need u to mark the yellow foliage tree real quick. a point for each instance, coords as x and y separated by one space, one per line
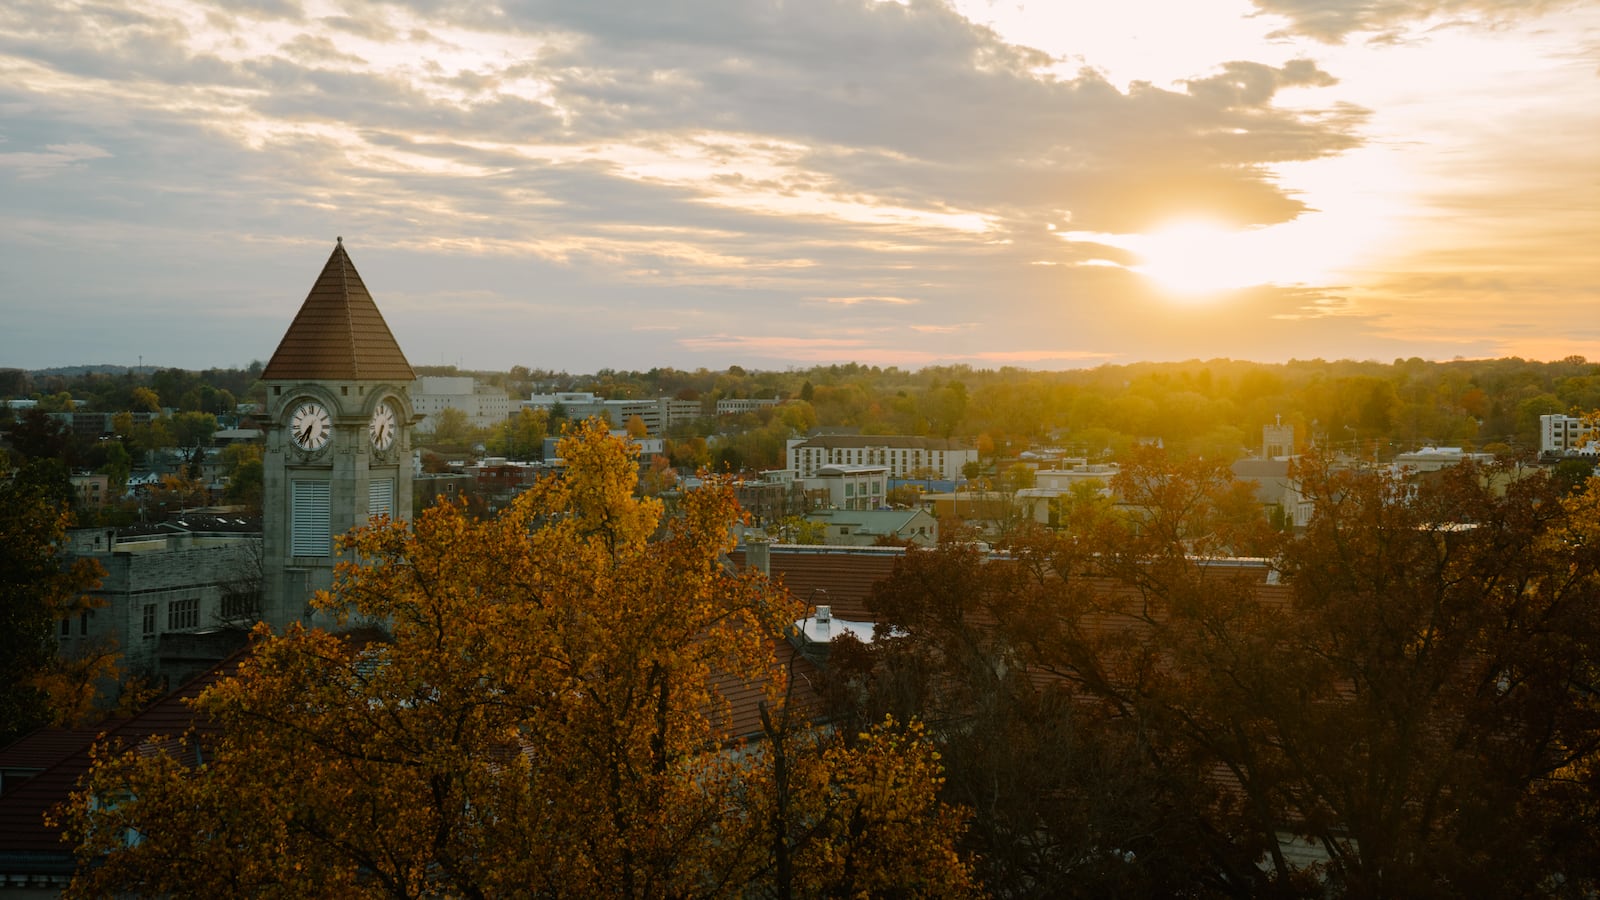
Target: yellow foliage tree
527 705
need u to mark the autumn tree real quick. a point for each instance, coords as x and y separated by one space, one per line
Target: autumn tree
1412 699
531 704
39 587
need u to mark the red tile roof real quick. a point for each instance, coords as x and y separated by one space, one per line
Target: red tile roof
25 840
841 577
338 333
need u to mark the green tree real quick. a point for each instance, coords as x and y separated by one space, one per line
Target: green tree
118 466
242 467
451 426
520 436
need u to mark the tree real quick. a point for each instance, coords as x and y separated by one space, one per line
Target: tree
193 429
798 530
38 588
118 466
39 435
145 400
536 706
451 426
521 436
242 467
1414 700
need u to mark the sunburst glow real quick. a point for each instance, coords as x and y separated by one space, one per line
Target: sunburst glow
1198 258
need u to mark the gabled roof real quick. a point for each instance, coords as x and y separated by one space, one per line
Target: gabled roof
31 849
338 334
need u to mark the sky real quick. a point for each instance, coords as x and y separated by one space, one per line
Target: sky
777 184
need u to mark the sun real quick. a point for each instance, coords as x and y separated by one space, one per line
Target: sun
1199 258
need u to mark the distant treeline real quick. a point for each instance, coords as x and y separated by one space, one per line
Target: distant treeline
1215 408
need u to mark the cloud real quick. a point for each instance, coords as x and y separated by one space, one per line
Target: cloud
51 158
1334 20
857 301
749 176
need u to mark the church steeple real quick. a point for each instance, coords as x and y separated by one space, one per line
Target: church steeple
338 333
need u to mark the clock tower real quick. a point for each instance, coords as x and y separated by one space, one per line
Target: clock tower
338 436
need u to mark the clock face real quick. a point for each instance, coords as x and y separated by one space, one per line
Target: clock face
310 426
383 427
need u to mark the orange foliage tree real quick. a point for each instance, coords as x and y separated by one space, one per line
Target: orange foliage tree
526 705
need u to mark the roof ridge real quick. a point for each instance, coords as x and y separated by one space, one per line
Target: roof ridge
344 285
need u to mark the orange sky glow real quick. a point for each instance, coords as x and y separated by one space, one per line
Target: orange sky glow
579 185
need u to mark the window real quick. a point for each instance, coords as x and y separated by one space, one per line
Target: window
83 623
310 518
149 620
380 497
240 603
183 613
66 628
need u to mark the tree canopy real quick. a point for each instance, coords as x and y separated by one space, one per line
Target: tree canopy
1407 692
533 704
39 587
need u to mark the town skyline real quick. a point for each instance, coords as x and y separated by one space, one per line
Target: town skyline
697 185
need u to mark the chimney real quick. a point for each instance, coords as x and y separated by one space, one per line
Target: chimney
824 614
758 555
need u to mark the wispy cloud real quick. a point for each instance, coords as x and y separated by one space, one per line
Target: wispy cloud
857 301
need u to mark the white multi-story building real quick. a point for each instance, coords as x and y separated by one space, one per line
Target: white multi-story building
485 405
735 405
658 415
1566 436
850 487
906 456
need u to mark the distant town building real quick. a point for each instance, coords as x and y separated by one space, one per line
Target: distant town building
850 486
1566 436
906 456
93 489
1041 502
1432 459
1273 488
658 415
1277 440
736 405
166 586
484 405
867 527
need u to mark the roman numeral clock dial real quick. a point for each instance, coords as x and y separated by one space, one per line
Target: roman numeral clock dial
310 426
383 426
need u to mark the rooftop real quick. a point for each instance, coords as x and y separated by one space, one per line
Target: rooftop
338 333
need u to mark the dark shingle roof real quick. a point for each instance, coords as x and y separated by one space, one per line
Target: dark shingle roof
29 846
338 333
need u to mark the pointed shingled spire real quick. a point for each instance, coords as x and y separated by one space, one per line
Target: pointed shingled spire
338 334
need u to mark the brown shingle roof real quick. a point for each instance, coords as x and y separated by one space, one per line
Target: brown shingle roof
338 333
